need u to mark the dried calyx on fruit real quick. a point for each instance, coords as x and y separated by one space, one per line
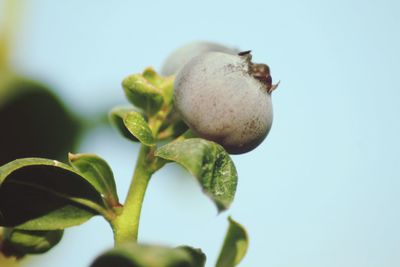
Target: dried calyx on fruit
260 71
227 99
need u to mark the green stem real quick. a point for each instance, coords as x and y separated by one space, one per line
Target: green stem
126 225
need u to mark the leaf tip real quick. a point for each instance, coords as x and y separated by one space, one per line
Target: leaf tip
221 207
231 220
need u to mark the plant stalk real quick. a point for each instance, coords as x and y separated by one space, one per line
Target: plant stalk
126 225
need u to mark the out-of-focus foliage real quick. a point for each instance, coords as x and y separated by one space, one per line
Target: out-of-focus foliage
34 122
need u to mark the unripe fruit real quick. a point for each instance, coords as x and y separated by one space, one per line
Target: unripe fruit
184 54
227 99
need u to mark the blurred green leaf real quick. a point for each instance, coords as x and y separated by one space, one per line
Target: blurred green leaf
35 122
132 125
209 163
98 173
234 247
134 255
21 242
42 194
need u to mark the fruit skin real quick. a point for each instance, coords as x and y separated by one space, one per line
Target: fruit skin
221 100
178 58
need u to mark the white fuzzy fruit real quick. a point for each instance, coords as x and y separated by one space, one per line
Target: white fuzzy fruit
184 54
227 99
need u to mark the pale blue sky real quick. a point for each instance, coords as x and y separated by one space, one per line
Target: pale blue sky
322 190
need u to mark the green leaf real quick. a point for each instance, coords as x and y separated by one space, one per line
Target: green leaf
98 173
209 163
132 125
234 247
21 242
134 255
42 194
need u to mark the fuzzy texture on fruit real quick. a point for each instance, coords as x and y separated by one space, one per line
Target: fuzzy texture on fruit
177 59
222 98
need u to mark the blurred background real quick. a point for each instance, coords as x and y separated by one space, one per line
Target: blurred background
322 190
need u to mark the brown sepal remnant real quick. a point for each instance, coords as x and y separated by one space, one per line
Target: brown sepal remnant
260 71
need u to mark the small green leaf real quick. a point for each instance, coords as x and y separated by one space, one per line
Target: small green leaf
117 116
142 93
209 163
149 91
134 255
138 127
98 173
42 194
234 247
21 242
132 125
165 84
